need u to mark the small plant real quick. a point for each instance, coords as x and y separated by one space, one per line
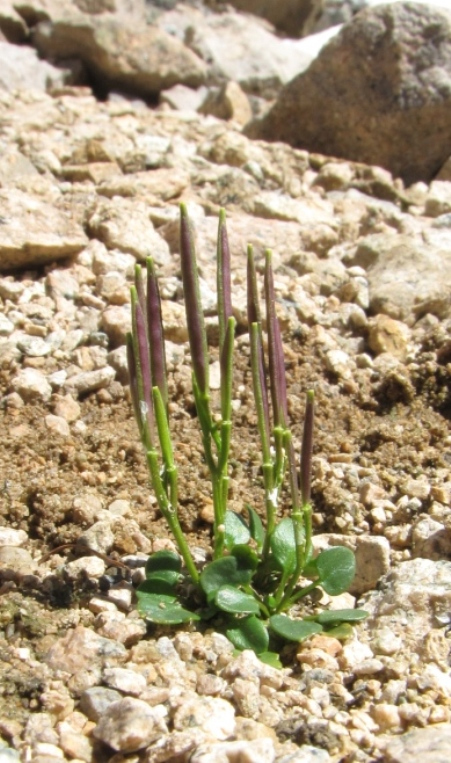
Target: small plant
259 571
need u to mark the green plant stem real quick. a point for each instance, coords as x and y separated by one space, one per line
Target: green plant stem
170 514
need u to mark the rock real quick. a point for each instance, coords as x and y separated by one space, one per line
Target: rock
243 49
228 102
10 537
438 201
294 17
20 67
184 98
131 724
253 751
12 24
215 716
89 381
116 322
81 648
385 74
34 232
412 601
431 539
124 680
57 425
95 701
423 268
117 55
159 184
110 222
430 745
31 385
388 335
15 561
372 557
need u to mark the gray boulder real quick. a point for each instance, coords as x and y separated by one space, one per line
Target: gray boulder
378 93
143 60
294 17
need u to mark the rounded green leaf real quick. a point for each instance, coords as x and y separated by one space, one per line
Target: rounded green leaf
163 560
270 658
336 569
225 571
341 631
293 630
249 633
236 530
283 545
163 609
157 584
231 599
335 616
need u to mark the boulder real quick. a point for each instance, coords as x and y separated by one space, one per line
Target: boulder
120 56
378 93
293 17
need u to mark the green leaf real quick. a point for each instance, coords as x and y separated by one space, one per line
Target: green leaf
270 658
283 545
231 599
163 609
249 633
334 616
245 556
159 584
293 630
228 570
236 530
163 560
341 632
336 569
256 527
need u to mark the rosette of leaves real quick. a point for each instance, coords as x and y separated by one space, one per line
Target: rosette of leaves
262 564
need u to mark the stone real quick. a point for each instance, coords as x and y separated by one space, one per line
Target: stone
124 680
11 537
118 55
110 222
184 98
423 268
215 716
384 73
253 751
372 557
228 102
243 49
34 232
411 601
388 335
89 381
20 67
95 701
32 385
15 561
131 724
294 17
57 425
81 648
430 745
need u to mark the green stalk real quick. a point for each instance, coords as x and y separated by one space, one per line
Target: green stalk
170 515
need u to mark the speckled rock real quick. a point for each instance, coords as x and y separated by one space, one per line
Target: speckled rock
131 724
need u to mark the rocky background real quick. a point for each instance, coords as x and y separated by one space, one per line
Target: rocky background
324 129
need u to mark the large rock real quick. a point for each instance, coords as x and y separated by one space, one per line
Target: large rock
20 68
34 232
294 17
120 56
378 93
421 264
243 49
